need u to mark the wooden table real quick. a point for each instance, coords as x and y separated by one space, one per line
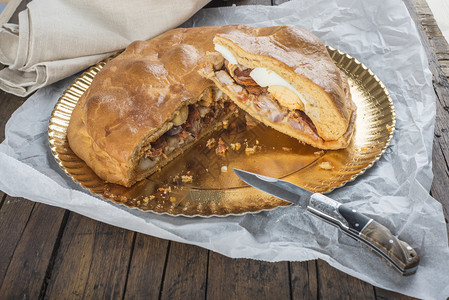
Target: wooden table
49 252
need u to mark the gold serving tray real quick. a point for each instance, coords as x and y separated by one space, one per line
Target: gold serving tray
214 192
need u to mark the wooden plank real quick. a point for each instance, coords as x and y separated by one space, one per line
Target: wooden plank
386 295
2 198
26 273
426 20
442 57
147 268
422 7
277 2
9 103
439 44
14 216
444 66
334 284
432 30
304 284
185 272
246 279
440 155
92 261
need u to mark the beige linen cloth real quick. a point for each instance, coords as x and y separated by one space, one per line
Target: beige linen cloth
57 38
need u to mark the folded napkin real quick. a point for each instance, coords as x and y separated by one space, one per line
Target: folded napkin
56 38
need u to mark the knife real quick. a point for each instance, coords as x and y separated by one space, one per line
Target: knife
367 231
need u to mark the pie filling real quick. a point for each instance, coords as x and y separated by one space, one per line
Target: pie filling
265 92
188 124
267 100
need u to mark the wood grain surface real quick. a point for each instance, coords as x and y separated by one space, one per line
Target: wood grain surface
51 253
436 52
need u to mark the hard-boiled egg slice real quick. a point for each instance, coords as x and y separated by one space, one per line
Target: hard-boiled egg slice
283 91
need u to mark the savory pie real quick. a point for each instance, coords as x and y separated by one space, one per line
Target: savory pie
148 105
284 77
154 100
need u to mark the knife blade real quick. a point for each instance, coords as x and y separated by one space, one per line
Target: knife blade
367 231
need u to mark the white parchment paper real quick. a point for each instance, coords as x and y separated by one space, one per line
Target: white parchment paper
395 191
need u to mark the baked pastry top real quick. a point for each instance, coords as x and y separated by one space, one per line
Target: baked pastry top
133 99
303 93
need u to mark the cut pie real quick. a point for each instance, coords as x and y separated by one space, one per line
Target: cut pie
148 105
284 77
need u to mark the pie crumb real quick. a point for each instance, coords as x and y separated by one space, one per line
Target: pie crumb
187 178
326 165
164 190
210 143
225 124
250 150
221 148
236 146
146 199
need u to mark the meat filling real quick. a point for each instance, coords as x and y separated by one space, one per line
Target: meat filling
264 102
200 115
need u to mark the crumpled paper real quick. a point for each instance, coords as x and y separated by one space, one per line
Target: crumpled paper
395 191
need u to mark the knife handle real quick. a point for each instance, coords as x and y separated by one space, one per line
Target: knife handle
367 231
